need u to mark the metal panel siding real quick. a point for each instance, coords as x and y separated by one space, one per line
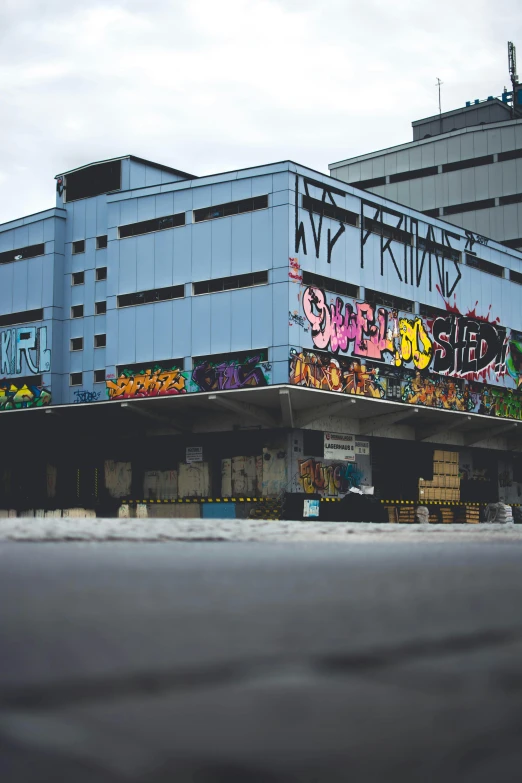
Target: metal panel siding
180 332
200 325
147 208
221 265
241 188
78 231
182 200
261 240
220 309
90 217
36 233
241 249
241 323
280 234
6 288
201 197
21 236
112 324
183 266
129 211
145 262
35 283
222 193
20 273
163 254
164 204
282 300
127 336
262 316
127 266
89 289
201 250
145 332
137 175
88 353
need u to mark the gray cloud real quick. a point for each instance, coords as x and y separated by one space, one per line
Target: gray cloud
207 86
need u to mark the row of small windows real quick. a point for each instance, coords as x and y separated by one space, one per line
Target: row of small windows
31 251
100 341
78 278
76 378
79 245
77 311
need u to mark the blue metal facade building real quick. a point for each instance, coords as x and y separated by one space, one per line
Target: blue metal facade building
158 267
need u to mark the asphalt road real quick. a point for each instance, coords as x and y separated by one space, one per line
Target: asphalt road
384 660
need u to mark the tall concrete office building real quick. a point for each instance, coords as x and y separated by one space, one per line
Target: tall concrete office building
463 166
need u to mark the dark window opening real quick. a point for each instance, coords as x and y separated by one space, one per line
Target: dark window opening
431 212
515 277
101 242
509 155
77 344
26 380
142 367
232 208
230 283
78 247
377 298
484 266
469 163
100 340
100 308
99 376
363 184
76 379
427 311
436 248
403 176
330 210
154 295
470 206
93 180
77 311
385 230
21 318
149 226
22 252
328 284
78 278
101 273
239 357
516 198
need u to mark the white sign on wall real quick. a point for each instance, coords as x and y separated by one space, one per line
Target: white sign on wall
340 447
362 447
193 454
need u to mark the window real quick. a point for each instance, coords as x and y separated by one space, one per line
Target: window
469 163
99 376
155 295
77 311
515 277
516 198
78 278
391 232
509 155
396 302
100 308
77 344
335 286
470 206
237 357
232 208
431 212
403 176
101 242
363 184
76 379
93 180
427 311
430 246
148 226
22 252
101 273
100 340
230 283
163 364
21 318
78 247
330 210
512 243
484 266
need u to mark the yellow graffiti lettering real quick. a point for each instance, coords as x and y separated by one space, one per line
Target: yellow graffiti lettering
415 345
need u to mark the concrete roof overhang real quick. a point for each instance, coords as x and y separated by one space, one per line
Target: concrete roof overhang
270 407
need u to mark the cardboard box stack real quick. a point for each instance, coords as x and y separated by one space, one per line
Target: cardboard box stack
445 484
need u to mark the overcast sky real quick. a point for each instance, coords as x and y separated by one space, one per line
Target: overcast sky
213 85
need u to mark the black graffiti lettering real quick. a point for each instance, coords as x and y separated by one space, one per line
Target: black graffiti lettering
299 227
331 242
444 352
466 345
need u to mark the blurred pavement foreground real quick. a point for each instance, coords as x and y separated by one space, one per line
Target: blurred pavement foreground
376 654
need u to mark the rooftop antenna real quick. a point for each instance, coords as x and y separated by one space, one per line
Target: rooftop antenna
512 62
439 84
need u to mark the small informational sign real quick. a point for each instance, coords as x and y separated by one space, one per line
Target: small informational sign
194 454
362 447
340 447
311 508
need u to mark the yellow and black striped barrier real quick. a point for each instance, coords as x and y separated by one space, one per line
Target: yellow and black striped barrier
203 500
434 503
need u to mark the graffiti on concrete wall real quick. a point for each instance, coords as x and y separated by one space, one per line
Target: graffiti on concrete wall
154 382
231 374
24 396
328 478
84 395
461 346
333 373
24 348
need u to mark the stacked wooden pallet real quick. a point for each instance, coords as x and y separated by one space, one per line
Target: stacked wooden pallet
447 515
407 515
392 513
445 484
468 514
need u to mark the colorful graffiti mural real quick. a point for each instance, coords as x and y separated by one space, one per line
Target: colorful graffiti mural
154 382
335 373
25 396
232 374
24 345
460 346
319 477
